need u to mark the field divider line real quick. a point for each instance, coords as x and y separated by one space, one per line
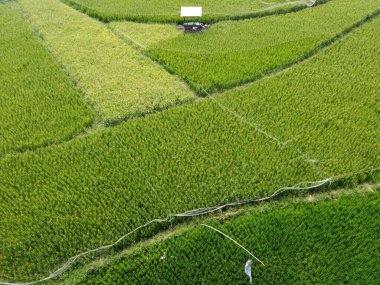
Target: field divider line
306 185
246 121
304 156
122 34
97 114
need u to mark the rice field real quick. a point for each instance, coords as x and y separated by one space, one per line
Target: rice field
39 104
300 243
235 52
105 128
120 82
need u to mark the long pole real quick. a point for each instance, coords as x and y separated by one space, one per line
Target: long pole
234 241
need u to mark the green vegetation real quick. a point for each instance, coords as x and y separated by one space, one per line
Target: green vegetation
168 10
88 192
327 103
119 81
38 103
231 53
146 35
328 242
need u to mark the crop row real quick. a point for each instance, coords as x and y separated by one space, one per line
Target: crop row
59 201
119 81
234 52
329 242
38 102
168 10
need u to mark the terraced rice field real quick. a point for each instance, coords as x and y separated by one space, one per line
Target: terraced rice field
107 126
